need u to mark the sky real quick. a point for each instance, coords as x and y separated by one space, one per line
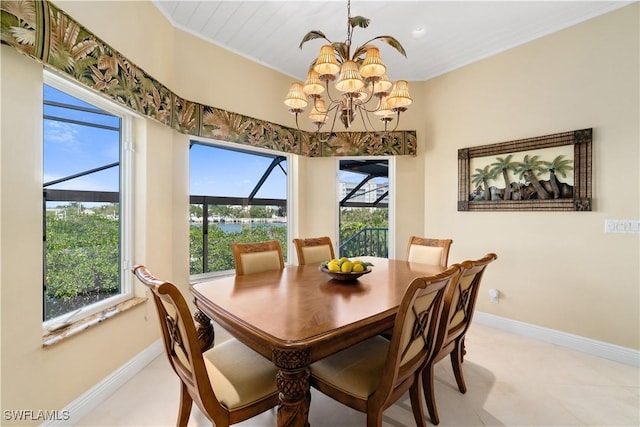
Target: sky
72 148
219 172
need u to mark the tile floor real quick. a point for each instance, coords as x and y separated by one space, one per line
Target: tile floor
511 381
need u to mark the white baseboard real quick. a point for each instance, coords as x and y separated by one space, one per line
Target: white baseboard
90 400
613 352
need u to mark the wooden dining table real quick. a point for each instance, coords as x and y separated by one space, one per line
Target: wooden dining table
299 315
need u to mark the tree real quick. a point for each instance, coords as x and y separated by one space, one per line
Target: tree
527 170
561 166
482 177
82 259
354 220
220 257
503 166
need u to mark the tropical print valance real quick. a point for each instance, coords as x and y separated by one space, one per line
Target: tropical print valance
44 32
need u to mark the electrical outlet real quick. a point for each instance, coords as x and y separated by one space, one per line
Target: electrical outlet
628 226
494 296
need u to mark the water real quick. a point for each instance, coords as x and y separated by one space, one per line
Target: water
237 228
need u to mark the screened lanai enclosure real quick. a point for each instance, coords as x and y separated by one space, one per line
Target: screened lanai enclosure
235 195
364 207
241 196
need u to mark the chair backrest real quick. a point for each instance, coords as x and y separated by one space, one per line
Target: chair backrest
460 301
429 251
314 250
258 256
181 343
417 322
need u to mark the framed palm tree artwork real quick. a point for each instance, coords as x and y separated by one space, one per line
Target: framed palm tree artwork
544 173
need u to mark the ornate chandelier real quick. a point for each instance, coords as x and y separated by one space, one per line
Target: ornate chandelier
362 84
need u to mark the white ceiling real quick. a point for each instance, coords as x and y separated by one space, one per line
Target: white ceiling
456 33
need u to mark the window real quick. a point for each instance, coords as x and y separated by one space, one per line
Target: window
86 190
363 191
237 195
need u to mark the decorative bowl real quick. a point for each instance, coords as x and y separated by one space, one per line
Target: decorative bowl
345 277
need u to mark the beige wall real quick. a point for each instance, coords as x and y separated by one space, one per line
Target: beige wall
551 266
136 29
555 269
34 377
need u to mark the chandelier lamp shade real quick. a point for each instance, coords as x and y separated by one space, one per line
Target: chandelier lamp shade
361 84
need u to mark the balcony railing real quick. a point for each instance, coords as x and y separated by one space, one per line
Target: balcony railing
367 242
209 243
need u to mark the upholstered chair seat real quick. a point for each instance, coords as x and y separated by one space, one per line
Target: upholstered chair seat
353 374
239 376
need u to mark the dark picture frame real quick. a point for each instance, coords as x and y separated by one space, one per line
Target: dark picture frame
535 182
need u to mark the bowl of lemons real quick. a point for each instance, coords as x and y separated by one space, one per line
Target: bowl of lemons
344 269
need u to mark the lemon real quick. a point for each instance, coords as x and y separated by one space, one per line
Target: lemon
357 267
333 266
347 266
357 261
343 259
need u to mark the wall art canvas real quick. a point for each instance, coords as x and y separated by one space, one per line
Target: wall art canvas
547 173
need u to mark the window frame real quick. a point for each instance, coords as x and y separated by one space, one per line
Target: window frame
126 194
195 278
391 206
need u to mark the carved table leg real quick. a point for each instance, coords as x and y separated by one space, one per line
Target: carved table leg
293 384
204 327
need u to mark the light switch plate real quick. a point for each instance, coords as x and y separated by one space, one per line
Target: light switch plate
628 226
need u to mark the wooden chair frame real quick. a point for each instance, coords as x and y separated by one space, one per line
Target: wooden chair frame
186 358
300 244
445 244
239 249
459 305
417 320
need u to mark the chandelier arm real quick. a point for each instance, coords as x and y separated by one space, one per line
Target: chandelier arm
365 119
333 124
328 92
370 95
325 140
397 122
368 99
335 117
333 106
375 109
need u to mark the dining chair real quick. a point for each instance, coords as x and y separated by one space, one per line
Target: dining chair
426 251
429 251
230 382
459 304
314 250
373 374
257 256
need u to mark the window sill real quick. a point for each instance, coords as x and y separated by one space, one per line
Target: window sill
52 338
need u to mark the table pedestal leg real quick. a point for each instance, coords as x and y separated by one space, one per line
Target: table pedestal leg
204 327
293 384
